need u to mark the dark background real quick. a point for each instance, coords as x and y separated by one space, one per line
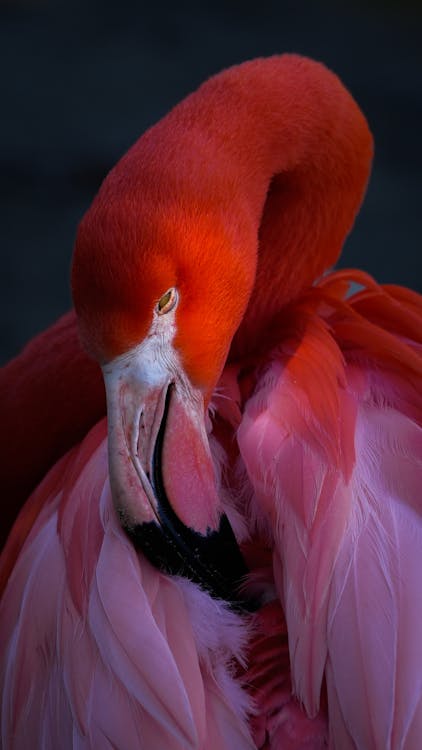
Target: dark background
81 80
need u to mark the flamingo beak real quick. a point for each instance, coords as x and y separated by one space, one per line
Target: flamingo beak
162 476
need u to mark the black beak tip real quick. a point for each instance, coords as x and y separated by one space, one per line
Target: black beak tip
213 561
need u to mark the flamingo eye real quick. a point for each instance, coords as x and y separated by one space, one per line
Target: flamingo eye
167 301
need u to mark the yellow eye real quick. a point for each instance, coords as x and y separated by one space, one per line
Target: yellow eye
167 301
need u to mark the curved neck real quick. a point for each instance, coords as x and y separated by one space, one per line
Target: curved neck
300 151
277 151
253 182
291 152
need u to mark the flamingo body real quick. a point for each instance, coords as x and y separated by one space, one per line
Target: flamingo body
241 386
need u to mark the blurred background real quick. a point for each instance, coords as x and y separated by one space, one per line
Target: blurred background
81 80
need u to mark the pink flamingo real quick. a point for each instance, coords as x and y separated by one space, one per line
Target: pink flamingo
242 383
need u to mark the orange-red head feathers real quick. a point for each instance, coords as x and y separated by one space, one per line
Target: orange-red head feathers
273 154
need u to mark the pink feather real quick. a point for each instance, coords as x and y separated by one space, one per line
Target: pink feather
99 648
334 457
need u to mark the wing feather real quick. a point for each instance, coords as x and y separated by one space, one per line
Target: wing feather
332 446
99 649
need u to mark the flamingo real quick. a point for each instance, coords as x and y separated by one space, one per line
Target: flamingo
232 558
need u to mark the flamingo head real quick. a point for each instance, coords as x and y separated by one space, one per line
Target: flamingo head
166 278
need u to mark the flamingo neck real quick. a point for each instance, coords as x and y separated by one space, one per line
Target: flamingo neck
241 197
278 152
